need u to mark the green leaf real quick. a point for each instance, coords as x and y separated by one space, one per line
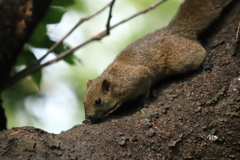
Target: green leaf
62 3
54 15
26 57
80 5
37 77
39 36
70 58
61 48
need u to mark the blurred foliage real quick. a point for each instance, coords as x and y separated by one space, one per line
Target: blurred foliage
40 38
63 3
15 96
74 74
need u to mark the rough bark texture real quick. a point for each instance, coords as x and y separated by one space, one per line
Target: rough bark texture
17 21
195 116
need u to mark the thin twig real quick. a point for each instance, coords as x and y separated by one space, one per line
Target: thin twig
109 17
154 5
99 36
76 25
55 45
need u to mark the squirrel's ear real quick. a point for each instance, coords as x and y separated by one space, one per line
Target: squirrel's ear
105 85
89 82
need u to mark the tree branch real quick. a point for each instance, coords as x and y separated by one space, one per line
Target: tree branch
195 116
54 46
109 17
28 69
33 68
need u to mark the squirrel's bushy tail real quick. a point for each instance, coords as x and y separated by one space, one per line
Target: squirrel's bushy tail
195 15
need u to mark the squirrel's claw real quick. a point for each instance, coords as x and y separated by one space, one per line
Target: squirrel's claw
207 63
87 121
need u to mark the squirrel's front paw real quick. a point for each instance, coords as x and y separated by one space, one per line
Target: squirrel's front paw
207 64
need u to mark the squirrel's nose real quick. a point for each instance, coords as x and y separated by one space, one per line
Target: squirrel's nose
87 121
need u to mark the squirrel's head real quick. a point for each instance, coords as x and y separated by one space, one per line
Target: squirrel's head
99 100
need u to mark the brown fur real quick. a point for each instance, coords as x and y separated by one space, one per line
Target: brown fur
168 51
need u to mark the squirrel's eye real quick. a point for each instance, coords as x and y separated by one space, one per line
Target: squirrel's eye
98 101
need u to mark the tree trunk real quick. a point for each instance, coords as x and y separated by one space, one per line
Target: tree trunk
195 116
18 18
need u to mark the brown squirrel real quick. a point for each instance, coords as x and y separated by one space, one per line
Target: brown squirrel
168 51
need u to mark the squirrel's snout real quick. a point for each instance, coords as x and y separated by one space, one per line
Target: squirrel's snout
87 121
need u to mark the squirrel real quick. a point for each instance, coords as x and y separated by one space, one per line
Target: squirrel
171 50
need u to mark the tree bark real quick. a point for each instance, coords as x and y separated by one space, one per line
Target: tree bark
17 21
195 116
